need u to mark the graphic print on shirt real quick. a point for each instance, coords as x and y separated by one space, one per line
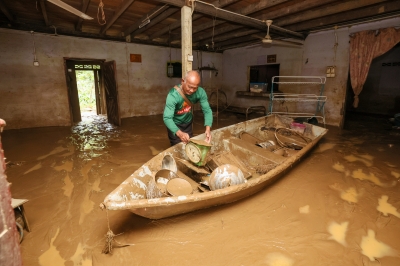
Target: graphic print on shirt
185 109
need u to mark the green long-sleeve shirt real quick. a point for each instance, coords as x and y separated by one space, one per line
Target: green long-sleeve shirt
177 111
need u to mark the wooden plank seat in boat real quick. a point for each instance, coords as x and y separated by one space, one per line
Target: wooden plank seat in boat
239 145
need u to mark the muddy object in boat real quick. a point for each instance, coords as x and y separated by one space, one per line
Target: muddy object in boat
179 187
169 163
161 179
266 144
225 176
197 150
228 157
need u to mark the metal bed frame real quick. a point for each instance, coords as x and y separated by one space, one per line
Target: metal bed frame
318 99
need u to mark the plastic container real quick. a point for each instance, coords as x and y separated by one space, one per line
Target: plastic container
299 128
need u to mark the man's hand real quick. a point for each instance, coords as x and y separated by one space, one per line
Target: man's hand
183 136
208 134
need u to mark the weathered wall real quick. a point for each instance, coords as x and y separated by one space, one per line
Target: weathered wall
37 96
319 52
236 62
311 60
381 91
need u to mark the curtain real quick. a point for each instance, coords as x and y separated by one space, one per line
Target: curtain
365 46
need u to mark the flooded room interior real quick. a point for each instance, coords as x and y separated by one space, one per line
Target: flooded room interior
286 114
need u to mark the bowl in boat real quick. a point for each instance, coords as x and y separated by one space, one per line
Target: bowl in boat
225 176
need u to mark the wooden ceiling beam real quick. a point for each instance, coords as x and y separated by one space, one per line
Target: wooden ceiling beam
284 11
117 14
44 12
6 12
84 8
159 9
170 11
352 16
253 8
216 32
331 9
177 24
230 35
210 10
234 41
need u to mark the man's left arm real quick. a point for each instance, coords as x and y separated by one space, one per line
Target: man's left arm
208 116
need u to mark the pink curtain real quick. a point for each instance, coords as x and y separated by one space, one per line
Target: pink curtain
365 46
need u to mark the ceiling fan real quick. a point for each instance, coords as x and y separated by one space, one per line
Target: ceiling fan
268 40
70 9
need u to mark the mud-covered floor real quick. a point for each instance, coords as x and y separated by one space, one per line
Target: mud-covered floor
338 206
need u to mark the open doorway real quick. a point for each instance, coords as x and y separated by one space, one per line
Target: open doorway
92 89
86 92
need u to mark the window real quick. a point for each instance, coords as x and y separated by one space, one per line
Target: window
176 70
261 76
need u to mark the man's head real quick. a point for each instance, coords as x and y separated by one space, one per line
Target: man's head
191 82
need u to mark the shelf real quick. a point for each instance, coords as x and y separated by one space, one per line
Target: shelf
318 99
253 94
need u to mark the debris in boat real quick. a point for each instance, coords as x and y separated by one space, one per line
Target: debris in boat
291 139
266 144
199 170
152 191
228 158
263 169
225 176
169 163
162 177
197 150
179 187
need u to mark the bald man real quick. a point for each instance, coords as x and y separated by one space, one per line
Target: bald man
178 115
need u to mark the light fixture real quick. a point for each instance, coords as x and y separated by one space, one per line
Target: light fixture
35 61
144 22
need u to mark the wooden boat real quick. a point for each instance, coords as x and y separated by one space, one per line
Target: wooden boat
263 149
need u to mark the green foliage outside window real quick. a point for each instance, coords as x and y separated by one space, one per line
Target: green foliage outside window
85 82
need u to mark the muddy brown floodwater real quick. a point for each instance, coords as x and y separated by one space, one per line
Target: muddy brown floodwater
339 206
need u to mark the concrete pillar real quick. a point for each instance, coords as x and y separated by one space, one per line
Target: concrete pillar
187 57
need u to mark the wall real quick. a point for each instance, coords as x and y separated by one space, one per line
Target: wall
319 49
37 96
312 59
319 53
236 62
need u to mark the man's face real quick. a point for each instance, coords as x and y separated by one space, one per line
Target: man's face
191 85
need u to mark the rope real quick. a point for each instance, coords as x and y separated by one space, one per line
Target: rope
100 9
110 239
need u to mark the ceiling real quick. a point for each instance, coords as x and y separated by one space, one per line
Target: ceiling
217 24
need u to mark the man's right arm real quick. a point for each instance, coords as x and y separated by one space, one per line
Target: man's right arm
169 111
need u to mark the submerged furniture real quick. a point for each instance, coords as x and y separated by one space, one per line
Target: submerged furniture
306 94
222 105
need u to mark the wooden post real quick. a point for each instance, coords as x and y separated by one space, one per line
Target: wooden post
187 57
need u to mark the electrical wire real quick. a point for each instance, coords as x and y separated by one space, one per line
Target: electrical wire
214 19
335 47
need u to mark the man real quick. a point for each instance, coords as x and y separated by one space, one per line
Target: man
178 116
